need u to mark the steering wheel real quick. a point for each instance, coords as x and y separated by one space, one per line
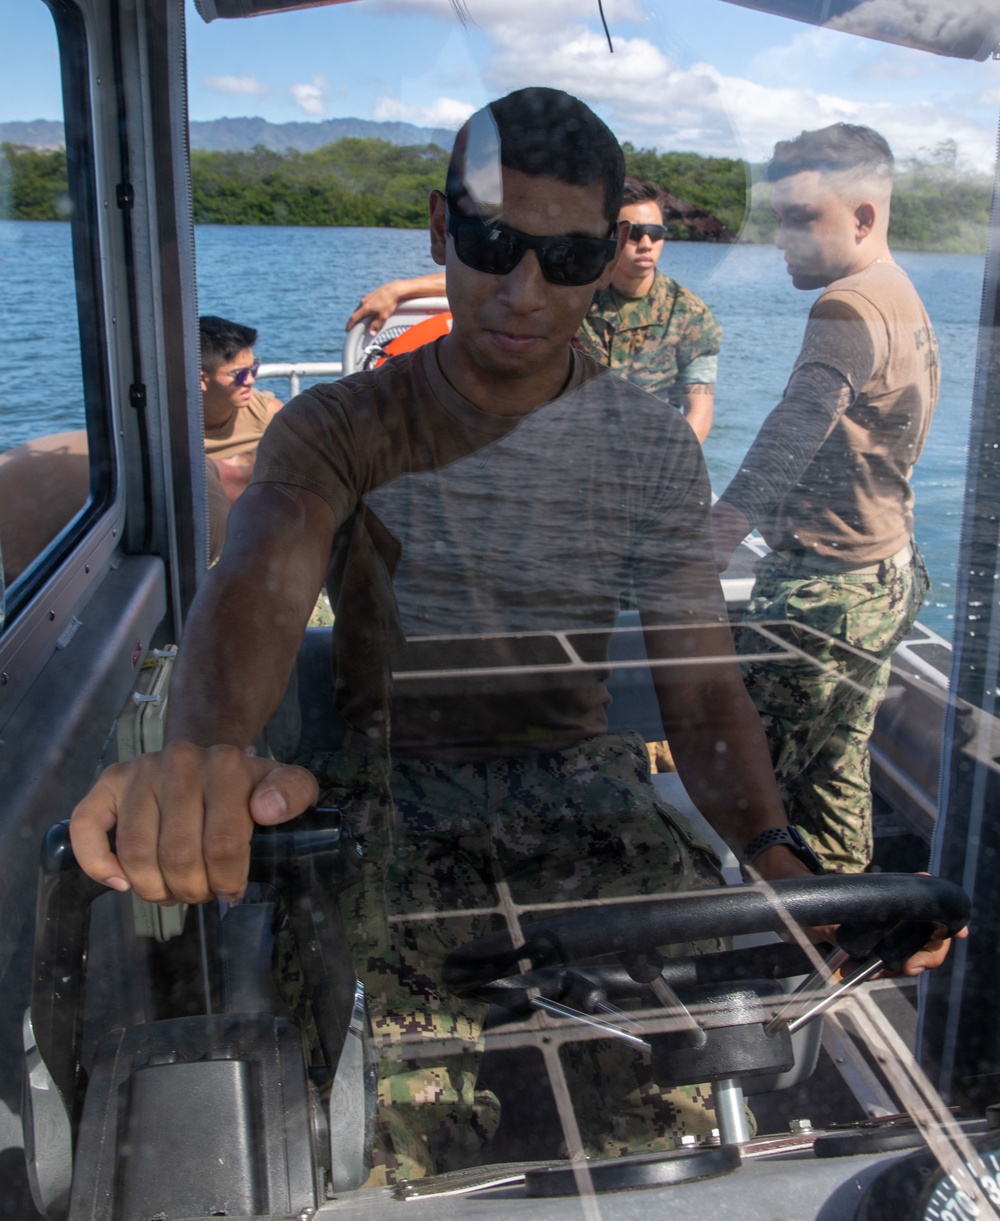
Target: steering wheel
884 914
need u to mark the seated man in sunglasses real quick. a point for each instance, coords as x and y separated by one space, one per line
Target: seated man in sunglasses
644 325
477 503
236 412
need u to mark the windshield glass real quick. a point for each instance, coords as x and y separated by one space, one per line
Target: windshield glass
587 395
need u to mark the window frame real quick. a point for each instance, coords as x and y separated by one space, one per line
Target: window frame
43 602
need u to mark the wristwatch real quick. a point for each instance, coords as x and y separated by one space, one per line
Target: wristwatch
780 835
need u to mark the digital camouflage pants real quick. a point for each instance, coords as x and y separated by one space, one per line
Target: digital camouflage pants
817 682
447 846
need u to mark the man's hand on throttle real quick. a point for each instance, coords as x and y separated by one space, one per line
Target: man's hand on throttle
183 818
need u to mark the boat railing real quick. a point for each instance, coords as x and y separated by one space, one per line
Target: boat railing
295 372
356 345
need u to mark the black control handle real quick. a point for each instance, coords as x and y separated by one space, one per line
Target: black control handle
308 860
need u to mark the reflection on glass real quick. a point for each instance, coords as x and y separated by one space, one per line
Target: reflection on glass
44 474
504 944
966 29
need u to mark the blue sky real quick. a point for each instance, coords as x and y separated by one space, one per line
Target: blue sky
706 76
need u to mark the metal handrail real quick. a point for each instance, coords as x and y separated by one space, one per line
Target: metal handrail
293 372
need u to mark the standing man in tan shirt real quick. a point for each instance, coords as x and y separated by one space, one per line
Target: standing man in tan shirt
827 484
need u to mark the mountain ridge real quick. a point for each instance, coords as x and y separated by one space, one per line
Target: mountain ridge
240 135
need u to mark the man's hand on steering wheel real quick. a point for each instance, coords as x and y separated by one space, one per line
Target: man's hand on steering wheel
779 862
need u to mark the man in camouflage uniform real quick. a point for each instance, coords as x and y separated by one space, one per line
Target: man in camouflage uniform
647 327
464 838
827 483
471 504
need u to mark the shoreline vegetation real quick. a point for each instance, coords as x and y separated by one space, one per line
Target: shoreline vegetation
938 204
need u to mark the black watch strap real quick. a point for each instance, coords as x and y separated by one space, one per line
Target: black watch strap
791 836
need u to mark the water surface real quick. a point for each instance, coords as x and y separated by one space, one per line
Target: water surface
298 285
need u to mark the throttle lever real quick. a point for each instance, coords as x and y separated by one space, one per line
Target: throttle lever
645 967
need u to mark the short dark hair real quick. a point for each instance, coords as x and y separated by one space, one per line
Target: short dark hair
221 339
547 133
638 191
839 148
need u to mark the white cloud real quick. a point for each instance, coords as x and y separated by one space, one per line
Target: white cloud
442 112
581 62
767 113
311 98
895 65
247 85
701 109
756 116
641 93
653 101
803 53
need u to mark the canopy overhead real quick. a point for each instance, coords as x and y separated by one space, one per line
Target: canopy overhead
963 29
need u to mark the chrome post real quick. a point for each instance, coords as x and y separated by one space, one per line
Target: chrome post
731 1112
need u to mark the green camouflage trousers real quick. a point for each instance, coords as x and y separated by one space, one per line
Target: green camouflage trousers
449 847
818 704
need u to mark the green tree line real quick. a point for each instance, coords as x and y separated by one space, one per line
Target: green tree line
937 203
33 184
353 182
717 184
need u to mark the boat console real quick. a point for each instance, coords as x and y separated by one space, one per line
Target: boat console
263 1126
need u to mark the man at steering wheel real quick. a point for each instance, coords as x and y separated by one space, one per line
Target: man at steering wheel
475 503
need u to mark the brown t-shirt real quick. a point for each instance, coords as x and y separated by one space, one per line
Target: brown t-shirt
854 502
506 538
244 428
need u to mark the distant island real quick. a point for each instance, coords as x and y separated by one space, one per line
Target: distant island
250 172
358 172
241 135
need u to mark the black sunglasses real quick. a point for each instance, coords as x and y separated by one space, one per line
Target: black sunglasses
240 376
497 249
655 233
